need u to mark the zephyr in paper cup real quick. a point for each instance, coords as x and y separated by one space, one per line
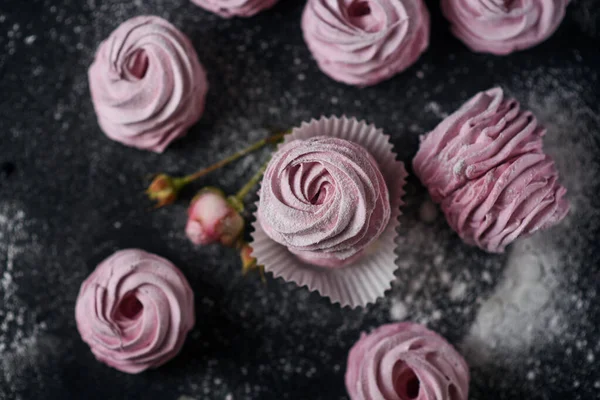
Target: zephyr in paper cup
329 248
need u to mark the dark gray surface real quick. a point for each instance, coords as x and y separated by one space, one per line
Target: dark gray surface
69 197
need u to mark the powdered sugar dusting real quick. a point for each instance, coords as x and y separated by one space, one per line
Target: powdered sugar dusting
457 291
436 109
19 325
436 271
523 311
398 311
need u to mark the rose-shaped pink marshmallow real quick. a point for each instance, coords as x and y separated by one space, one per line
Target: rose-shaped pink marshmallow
503 26
212 219
135 310
235 8
147 84
406 361
325 199
362 42
486 166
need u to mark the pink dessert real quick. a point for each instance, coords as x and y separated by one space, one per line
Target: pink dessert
486 167
135 310
147 84
503 26
362 42
325 199
327 217
406 361
235 8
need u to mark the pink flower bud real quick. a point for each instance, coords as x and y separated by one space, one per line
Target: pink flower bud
212 219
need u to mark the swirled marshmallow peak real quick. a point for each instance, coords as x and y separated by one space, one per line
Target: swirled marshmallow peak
368 272
147 84
235 8
486 167
503 26
363 42
405 361
325 199
135 310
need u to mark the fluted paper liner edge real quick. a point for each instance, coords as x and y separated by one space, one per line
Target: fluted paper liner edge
368 278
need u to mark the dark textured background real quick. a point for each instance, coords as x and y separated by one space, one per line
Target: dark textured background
69 197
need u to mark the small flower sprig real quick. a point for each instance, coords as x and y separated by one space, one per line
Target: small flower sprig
214 217
164 188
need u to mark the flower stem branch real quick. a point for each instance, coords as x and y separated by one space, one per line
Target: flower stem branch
238 199
261 143
164 188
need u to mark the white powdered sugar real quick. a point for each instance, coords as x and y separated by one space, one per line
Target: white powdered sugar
19 328
522 312
436 109
458 290
398 311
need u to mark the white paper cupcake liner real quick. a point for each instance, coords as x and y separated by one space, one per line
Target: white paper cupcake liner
368 278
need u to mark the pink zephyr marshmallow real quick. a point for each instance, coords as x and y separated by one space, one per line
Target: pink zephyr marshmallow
135 311
235 8
147 84
363 42
503 26
485 166
406 361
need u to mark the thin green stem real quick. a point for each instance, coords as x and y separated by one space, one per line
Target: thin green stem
261 143
243 192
